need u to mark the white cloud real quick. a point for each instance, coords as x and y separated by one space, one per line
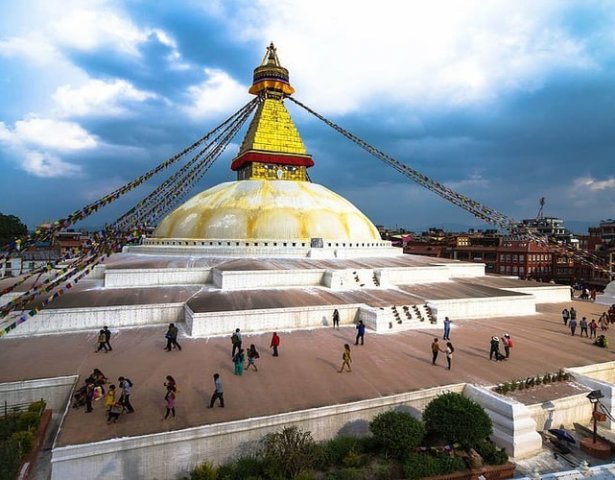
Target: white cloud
344 54
34 46
592 184
30 140
48 133
220 93
42 164
103 27
97 97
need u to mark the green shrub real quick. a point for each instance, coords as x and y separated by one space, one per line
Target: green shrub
289 452
204 471
419 465
28 421
492 455
346 474
244 468
333 452
398 432
381 471
457 419
25 440
37 407
304 476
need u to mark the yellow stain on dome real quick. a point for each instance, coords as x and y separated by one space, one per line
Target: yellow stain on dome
265 209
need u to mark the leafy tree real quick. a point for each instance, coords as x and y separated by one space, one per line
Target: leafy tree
457 419
397 432
10 228
290 451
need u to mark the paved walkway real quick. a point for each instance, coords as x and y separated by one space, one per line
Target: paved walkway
303 376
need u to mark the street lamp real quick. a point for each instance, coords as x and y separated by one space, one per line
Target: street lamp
594 398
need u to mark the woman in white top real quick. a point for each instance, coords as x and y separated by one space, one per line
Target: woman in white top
449 354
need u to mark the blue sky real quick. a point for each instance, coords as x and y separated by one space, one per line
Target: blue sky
505 102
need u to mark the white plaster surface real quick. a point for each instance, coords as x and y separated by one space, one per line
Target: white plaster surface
272 319
562 412
513 425
546 294
608 296
92 318
592 377
491 307
154 277
55 391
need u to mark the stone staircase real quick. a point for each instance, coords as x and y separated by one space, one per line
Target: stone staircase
406 317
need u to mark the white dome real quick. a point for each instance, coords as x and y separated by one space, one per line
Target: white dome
268 209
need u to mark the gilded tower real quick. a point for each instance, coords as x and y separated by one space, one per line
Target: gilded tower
272 149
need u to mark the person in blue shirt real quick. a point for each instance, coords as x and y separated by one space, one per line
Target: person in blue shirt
360 332
447 328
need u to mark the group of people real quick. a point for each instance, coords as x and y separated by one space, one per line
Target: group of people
494 347
103 340
588 329
116 400
448 351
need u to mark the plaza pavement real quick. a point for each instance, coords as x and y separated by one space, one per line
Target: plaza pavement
303 376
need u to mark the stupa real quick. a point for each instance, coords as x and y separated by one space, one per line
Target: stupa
273 250
272 203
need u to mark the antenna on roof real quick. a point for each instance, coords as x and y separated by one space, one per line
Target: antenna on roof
540 215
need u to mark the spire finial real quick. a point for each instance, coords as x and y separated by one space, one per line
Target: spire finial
271 75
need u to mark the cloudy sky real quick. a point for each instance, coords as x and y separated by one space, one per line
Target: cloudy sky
505 102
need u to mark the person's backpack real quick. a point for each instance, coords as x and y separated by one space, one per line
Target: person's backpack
510 343
127 380
234 339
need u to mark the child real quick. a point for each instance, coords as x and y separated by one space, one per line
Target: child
110 398
170 399
114 413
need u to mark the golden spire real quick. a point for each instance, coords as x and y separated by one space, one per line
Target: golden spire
272 148
270 75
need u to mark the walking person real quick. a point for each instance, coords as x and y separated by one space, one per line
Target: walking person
572 325
593 327
171 337
107 337
583 325
238 360
508 343
218 392
253 355
114 413
275 343
360 332
236 342
126 388
435 349
447 328
565 316
110 398
170 399
449 354
346 359
102 342
336 319
604 322
494 349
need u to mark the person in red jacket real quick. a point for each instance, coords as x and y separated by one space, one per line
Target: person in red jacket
275 343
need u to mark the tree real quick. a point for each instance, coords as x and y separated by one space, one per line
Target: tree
11 227
398 432
457 419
